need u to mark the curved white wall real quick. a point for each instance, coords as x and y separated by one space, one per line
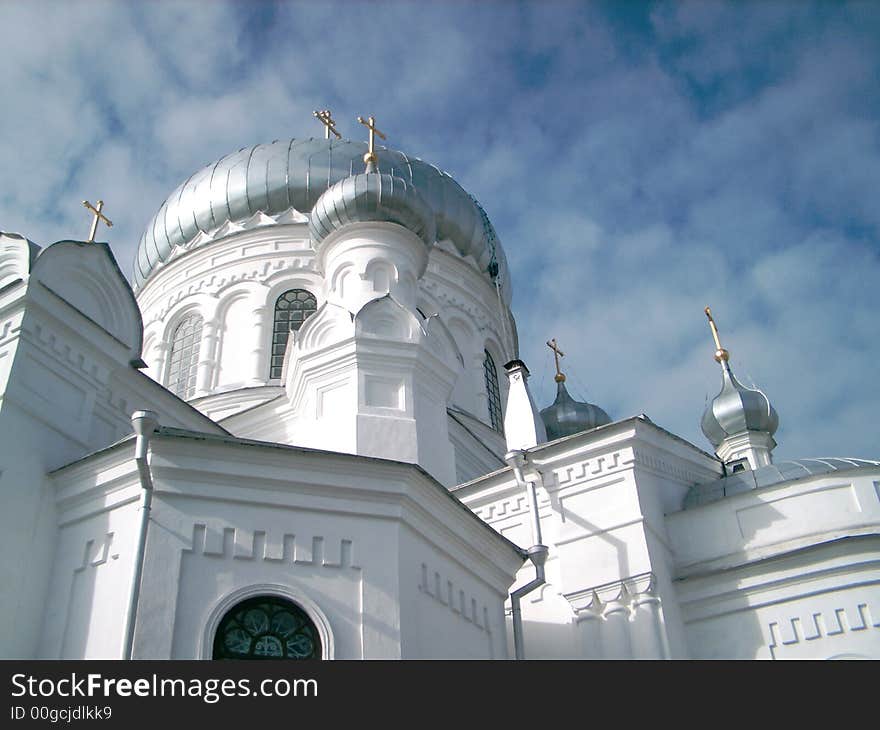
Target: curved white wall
234 282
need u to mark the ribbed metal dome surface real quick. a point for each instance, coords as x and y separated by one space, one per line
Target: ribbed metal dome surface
293 174
737 409
372 197
567 416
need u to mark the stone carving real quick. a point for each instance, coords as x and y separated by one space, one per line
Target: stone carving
598 601
592 468
97 552
237 544
447 594
820 625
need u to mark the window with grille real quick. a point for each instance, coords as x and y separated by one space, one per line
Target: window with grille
184 360
266 627
493 393
291 309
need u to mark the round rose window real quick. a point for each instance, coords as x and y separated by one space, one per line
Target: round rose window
267 627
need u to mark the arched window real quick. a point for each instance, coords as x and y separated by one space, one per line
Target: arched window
266 627
184 359
493 394
291 309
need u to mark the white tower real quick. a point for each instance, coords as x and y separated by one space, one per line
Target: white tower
368 374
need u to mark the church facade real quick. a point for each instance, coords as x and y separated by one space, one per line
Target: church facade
303 431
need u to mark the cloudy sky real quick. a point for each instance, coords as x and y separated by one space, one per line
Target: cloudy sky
639 160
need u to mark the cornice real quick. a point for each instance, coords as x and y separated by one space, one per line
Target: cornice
600 600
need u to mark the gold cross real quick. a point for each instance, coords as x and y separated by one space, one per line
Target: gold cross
720 352
371 125
329 125
557 353
98 216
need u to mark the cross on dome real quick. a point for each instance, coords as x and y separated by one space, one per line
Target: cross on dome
370 158
98 215
326 118
557 353
720 352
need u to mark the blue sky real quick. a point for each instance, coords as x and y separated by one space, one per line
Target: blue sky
639 160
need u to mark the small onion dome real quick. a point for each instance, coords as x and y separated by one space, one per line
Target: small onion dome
567 416
737 409
372 196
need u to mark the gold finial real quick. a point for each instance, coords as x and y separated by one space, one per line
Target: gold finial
720 352
96 210
371 125
326 119
557 353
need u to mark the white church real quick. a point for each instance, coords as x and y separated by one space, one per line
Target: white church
303 431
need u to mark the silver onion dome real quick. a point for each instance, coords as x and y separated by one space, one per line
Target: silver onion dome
567 416
372 196
290 175
737 409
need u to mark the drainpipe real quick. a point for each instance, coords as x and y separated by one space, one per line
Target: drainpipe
537 553
144 424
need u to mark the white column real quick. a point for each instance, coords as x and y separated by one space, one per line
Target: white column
616 635
260 346
207 357
589 626
160 360
648 629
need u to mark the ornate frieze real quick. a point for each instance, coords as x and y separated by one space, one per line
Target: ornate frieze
788 633
237 544
97 552
446 593
593 468
601 600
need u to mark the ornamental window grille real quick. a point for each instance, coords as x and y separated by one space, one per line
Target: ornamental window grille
493 393
291 309
184 360
266 627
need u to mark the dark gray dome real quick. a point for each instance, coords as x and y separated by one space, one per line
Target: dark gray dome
737 409
372 197
567 416
291 175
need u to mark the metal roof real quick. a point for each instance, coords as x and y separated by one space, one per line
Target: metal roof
371 197
293 174
766 476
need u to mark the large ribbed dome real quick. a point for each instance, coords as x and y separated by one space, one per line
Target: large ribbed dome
292 175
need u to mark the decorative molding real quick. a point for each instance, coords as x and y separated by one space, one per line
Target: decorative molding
592 468
820 625
478 314
97 552
598 601
510 507
7 331
238 544
59 349
445 593
668 469
202 275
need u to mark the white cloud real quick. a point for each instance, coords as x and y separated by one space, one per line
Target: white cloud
716 153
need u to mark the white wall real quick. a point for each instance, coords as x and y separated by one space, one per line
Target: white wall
343 537
786 571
